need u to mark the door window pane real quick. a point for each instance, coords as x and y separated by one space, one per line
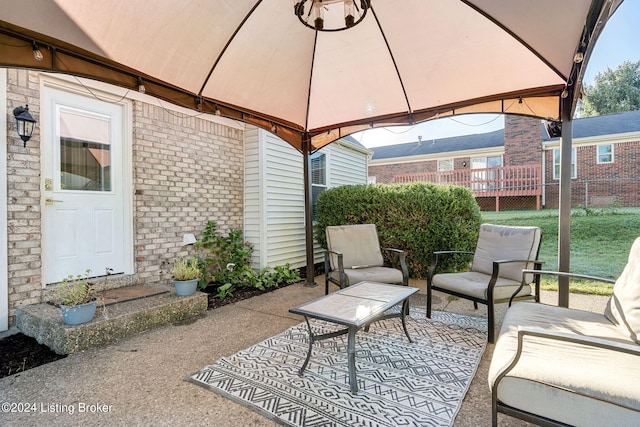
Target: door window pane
85 151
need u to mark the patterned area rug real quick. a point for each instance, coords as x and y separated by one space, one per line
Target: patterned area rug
400 383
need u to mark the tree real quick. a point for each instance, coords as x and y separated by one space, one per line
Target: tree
613 91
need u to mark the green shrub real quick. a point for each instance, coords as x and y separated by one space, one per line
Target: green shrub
419 218
226 261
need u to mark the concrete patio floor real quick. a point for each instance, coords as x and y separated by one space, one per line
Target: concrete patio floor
140 380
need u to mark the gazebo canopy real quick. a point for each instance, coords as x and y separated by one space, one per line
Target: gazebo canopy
407 61
252 60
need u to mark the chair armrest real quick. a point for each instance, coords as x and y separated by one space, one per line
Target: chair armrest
539 272
586 340
402 257
327 260
524 331
570 275
397 251
496 273
432 268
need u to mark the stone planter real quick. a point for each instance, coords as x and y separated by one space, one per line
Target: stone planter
185 287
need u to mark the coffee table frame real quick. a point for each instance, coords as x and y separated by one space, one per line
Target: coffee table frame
356 307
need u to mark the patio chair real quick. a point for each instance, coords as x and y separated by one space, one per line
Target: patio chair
502 252
354 255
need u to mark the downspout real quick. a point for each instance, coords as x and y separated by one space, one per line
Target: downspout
308 209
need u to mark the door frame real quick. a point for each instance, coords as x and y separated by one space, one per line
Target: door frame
4 270
84 88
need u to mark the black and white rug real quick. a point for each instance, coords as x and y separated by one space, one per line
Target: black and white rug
400 383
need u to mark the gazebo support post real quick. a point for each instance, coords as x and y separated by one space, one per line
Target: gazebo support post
564 217
308 210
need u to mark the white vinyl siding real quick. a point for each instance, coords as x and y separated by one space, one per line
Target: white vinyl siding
274 195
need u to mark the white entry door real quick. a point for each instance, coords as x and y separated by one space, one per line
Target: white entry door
85 217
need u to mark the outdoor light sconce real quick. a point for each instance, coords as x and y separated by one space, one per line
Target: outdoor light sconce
322 15
24 123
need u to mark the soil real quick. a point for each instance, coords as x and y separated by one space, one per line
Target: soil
19 352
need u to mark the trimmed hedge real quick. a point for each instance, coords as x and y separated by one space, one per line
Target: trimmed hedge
419 218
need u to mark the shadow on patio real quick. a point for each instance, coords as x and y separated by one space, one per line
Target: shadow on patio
140 380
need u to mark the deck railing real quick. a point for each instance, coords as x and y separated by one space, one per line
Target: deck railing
506 181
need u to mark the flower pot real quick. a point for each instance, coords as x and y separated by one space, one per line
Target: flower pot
77 314
185 287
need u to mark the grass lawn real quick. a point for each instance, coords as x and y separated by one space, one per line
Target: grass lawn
600 242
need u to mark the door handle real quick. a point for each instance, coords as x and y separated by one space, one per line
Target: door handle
50 201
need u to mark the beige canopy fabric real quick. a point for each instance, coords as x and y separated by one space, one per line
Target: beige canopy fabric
407 61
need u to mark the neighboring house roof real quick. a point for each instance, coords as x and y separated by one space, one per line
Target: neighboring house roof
610 124
444 145
351 141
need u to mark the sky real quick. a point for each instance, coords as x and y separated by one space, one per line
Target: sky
618 42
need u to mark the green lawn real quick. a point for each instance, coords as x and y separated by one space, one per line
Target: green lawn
600 242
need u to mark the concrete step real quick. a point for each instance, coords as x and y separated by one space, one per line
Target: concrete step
113 321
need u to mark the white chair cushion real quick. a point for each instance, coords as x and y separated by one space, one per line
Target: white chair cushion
623 308
358 243
498 242
372 274
572 383
474 284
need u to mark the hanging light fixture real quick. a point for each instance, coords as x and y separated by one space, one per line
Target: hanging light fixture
331 15
37 53
24 123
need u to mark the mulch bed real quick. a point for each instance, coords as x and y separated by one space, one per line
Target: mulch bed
19 352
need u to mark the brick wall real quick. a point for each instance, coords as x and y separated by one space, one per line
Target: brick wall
186 171
522 142
385 173
24 242
598 185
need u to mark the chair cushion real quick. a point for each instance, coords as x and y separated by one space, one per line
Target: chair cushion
499 242
358 243
474 284
564 381
623 308
372 274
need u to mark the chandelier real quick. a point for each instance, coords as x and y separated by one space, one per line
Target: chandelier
328 15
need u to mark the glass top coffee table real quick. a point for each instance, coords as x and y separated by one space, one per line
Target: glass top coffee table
355 307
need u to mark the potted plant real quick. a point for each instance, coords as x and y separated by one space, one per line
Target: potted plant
186 273
77 299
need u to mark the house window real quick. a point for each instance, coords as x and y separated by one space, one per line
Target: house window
445 165
318 178
605 153
556 164
484 180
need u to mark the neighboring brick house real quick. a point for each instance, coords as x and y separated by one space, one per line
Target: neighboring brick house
114 178
504 167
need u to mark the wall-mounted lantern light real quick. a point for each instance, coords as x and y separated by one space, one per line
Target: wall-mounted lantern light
24 123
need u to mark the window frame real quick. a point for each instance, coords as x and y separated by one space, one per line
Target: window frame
599 155
314 185
448 162
556 164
